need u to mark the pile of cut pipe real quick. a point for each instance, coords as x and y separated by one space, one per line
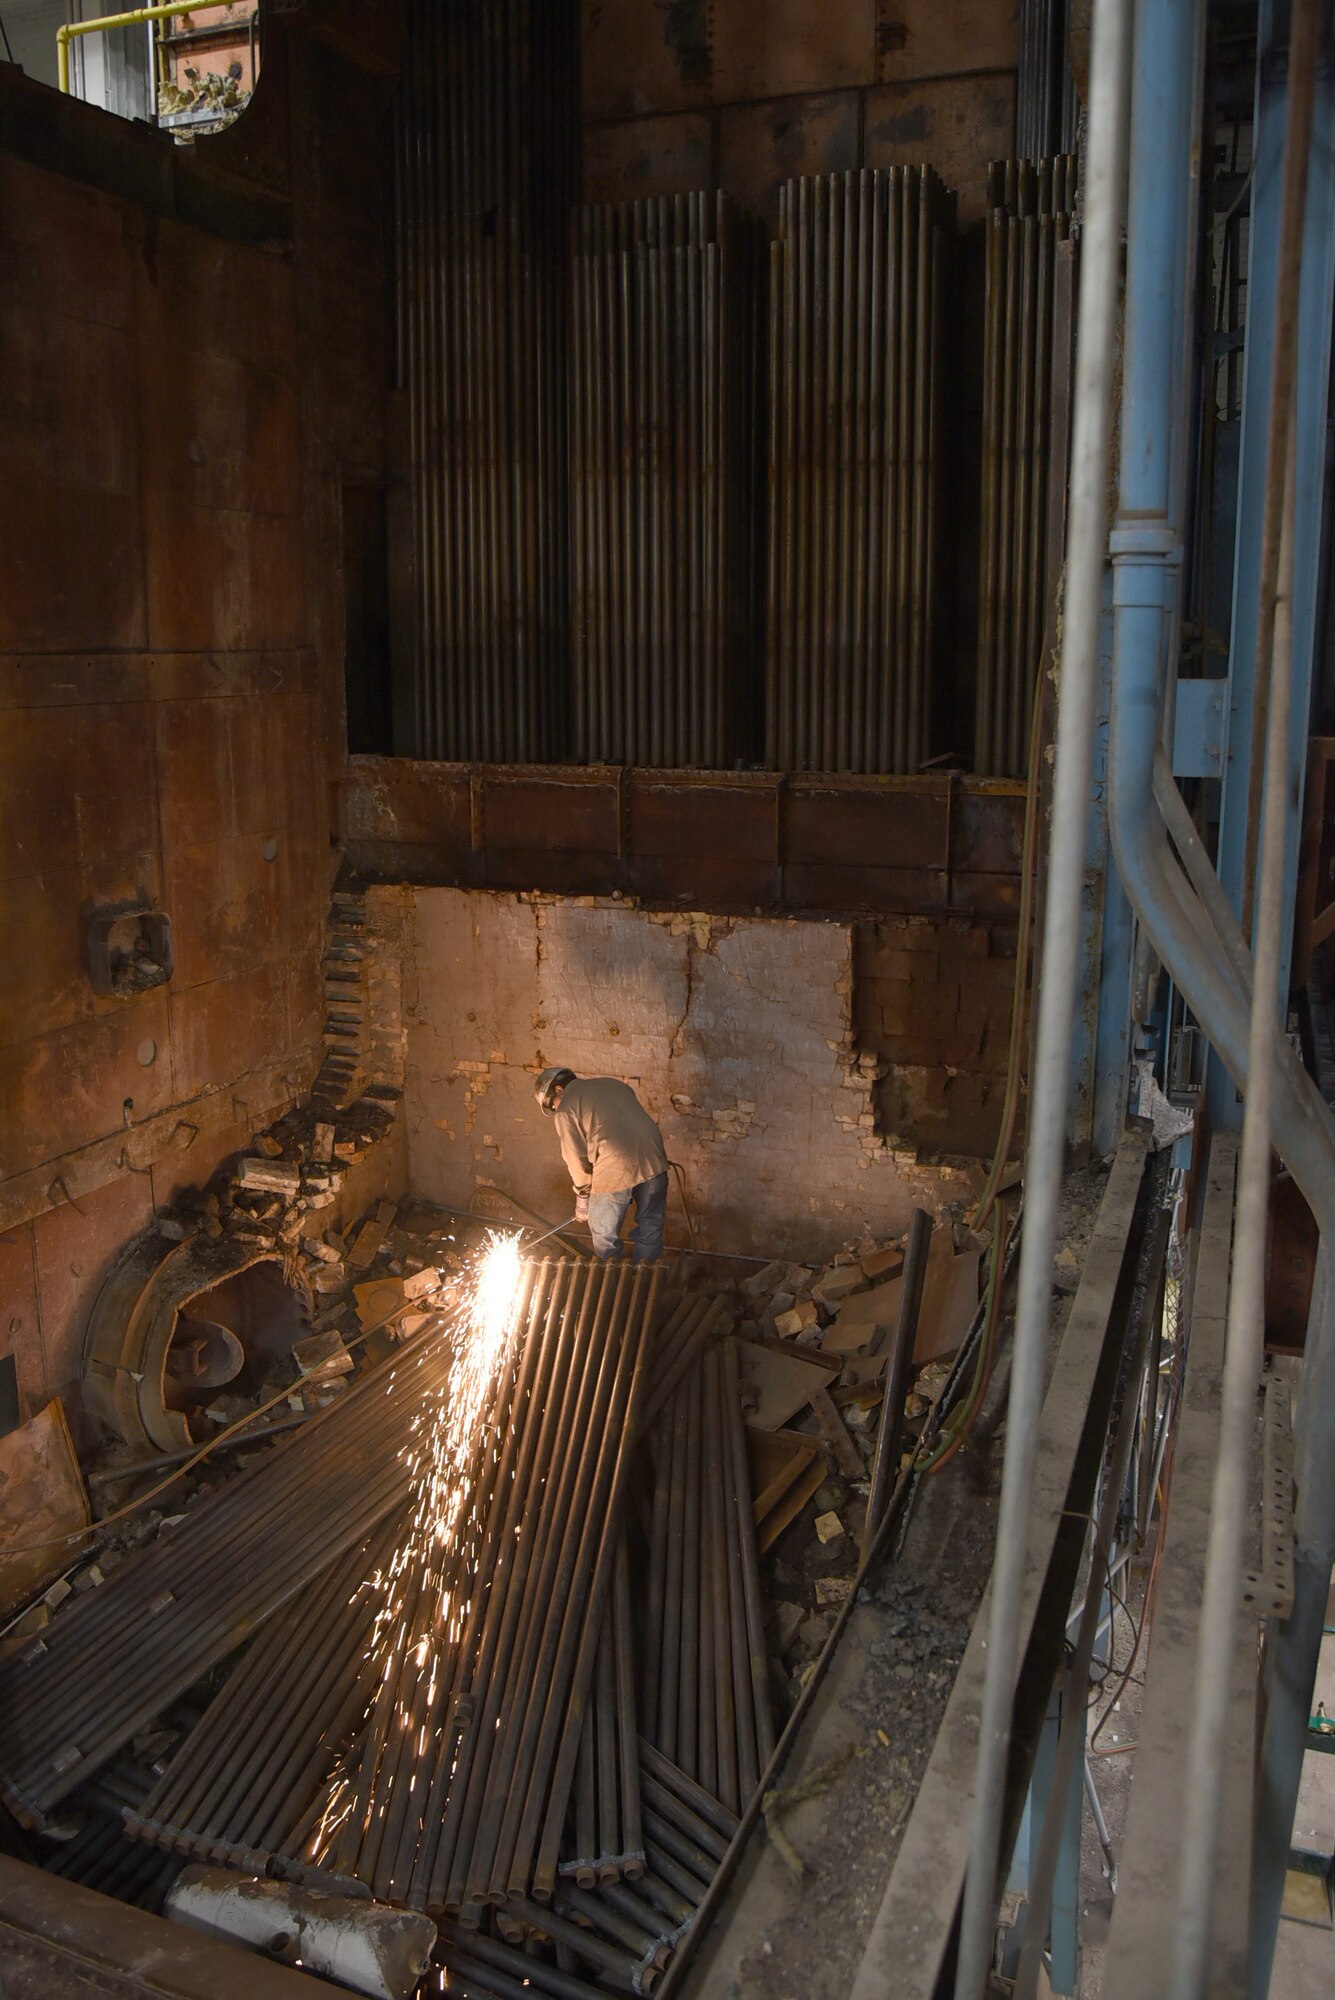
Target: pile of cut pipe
532 1727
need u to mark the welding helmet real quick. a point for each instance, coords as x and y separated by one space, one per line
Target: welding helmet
548 1084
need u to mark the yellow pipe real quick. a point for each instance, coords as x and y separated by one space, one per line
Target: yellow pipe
65 35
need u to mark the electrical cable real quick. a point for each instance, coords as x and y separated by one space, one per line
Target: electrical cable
4 37
685 1205
1146 1619
1010 1106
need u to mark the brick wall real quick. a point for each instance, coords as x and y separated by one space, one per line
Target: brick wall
933 1000
738 1033
743 94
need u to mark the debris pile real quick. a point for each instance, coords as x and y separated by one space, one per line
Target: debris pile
538 1724
816 1344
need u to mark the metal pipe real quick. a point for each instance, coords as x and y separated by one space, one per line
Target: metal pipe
758 1652
632 1833
885 1466
1245 1334
1071 1742
70 30
1182 932
1109 70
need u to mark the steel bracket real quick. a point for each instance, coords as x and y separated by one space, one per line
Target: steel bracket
1200 729
1268 1592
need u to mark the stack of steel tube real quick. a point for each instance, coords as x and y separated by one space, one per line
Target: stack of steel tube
692 1326
855 310
251 1779
663 474
460 1785
609 1838
102 1856
1046 105
486 151
120 1655
705 1692
1029 214
621 1933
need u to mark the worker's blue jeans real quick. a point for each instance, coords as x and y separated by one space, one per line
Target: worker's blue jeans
607 1212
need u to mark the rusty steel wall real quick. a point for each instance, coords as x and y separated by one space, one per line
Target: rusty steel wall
664 533
857 276
1030 207
486 170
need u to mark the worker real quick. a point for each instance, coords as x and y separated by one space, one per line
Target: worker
614 1154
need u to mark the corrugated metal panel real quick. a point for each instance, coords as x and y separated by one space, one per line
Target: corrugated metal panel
856 280
663 428
1029 214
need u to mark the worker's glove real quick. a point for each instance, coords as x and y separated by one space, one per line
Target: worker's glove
581 1207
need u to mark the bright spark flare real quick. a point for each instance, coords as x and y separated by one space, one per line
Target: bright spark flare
425 1590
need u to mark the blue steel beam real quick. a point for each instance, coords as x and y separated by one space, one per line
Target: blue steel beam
1313 376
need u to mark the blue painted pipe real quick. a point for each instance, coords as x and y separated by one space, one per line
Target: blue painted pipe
1198 944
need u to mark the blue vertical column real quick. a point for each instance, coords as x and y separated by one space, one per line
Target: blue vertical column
1313 376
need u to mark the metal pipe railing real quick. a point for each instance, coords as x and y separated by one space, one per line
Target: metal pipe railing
1046 1144
70 30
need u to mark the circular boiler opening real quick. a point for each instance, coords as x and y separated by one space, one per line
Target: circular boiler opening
231 1334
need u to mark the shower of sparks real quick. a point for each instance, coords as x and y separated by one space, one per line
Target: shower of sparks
424 1590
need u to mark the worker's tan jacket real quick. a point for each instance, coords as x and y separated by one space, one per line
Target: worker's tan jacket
608 1140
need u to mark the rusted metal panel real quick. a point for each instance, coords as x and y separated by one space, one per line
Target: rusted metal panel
724 884
721 841
551 871
100 756
217 1029
227 899
906 827
63 246
220 578
551 814
919 38
987 830
42 1497
210 295
773 48
960 124
648 156
993 896
704 822
73 1249
402 799
863 891
243 452
643 56
44 983
762 145
19 1316
62 1088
